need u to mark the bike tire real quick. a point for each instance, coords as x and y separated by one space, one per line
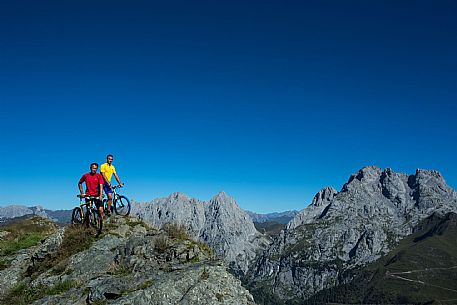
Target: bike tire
122 206
96 222
77 216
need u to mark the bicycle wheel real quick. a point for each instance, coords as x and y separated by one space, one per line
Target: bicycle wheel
96 221
122 205
77 216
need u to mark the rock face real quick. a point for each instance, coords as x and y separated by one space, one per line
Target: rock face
131 263
347 229
220 223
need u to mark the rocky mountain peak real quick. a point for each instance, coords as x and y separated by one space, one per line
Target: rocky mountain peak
365 176
178 196
324 196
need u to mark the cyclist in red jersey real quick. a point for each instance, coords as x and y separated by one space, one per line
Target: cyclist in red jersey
94 187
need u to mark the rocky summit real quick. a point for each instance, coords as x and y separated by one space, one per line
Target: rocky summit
340 231
219 222
130 263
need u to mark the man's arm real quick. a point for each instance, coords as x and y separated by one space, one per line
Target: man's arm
80 184
101 191
105 179
102 172
118 179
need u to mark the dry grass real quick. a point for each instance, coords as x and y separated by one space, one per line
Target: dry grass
176 231
161 244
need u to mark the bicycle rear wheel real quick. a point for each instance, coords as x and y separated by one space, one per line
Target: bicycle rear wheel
122 205
77 216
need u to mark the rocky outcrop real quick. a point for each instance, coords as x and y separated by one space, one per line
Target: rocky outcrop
219 222
343 230
131 263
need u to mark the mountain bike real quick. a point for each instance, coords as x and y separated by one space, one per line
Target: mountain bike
87 213
121 204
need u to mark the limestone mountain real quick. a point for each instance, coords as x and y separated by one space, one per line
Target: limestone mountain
420 270
219 222
340 231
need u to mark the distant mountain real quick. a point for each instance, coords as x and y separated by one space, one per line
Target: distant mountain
13 211
421 269
279 217
219 222
342 231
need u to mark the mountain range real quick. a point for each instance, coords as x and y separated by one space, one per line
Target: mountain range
375 236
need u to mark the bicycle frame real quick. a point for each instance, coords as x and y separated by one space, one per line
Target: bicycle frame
88 202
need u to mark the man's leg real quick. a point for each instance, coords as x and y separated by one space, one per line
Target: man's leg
100 210
109 202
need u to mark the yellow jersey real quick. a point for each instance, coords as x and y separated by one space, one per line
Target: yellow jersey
108 171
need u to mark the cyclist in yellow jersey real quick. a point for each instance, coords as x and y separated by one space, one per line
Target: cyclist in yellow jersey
108 170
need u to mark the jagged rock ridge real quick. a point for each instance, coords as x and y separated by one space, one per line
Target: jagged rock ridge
342 230
219 222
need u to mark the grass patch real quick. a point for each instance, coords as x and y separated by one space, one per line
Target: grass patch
4 264
24 234
23 293
142 286
119 270
22 242
220 297
77 238
195 259
205 274
176 231
61 287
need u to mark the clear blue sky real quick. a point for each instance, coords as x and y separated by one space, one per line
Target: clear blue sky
267 100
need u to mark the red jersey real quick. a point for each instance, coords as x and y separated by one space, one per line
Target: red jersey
92 183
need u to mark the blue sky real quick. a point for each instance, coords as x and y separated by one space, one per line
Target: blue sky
267 101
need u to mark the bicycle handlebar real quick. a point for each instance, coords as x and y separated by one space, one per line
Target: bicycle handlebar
87 197
117 186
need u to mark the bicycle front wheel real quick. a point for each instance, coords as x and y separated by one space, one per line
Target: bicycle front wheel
96 222
77 216
122 206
